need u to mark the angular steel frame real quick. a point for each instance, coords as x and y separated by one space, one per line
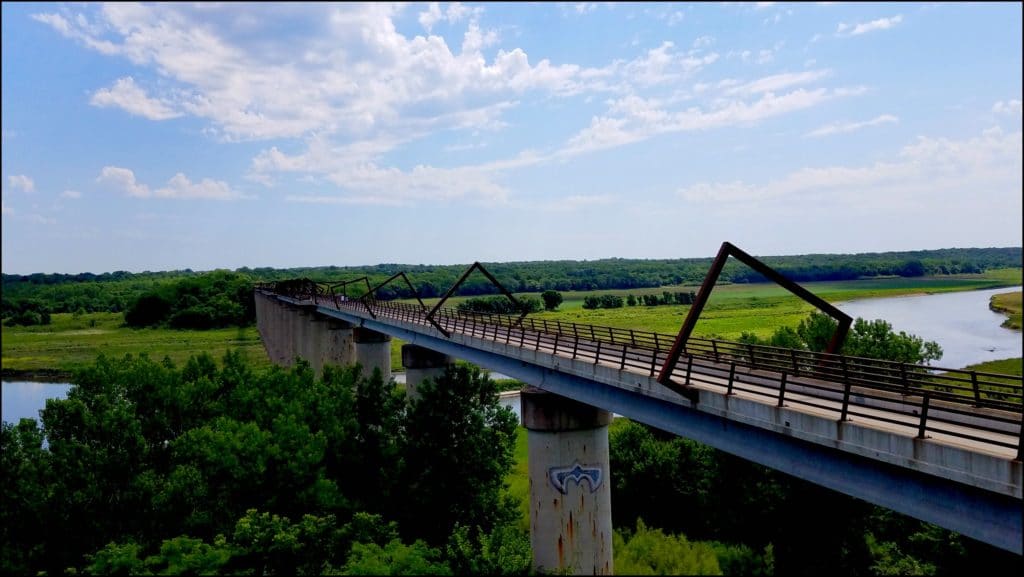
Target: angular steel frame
371 293
465 275
728 249
331 286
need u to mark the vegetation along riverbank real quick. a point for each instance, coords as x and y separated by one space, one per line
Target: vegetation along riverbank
72 340
1009 304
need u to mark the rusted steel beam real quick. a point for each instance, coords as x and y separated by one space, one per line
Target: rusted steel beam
728 249
465 275
371 293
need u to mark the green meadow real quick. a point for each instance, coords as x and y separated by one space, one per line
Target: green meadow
72 341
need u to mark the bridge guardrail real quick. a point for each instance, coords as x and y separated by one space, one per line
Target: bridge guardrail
911 396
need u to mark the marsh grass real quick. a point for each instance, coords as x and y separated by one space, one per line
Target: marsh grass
1010 305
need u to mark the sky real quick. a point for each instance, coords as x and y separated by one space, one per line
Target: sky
224 135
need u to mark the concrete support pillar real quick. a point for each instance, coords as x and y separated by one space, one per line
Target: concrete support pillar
570 488
372 351
337 347
422 364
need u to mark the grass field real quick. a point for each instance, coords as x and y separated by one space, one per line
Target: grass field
1010 304
70 342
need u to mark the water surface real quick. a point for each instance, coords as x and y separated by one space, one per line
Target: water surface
961 322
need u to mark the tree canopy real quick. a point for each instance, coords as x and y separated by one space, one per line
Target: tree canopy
151 468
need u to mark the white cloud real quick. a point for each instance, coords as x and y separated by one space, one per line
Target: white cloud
127 95
845 29
455 12
123 179
763 5
843 127
778 82
179 186
358 75
22 182
639 119
1010 107
72 194
925 171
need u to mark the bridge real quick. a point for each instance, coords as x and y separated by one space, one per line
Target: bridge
943 446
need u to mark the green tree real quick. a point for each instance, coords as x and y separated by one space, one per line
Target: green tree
551 299
651 552
458 448
395 558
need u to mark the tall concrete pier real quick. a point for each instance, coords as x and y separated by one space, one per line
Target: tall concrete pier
372 351
291 331
422 364
570 488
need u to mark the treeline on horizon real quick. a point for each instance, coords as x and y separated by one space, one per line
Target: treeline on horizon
120 291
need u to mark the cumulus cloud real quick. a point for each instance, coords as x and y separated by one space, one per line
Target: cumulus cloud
127 95
925 170
843 127
21 182
632 119
845 29
179 186
1009 107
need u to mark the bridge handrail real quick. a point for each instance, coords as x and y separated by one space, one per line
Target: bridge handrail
906 392
951 384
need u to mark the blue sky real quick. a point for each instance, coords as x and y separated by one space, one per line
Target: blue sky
222 135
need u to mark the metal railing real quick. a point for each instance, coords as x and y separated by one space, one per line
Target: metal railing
920 398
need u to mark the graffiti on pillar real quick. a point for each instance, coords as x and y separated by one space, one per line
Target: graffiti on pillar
560 477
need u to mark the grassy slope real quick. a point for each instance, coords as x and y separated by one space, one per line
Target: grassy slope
1010 304
71 342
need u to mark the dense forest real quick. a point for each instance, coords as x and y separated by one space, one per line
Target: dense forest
189 299
148 468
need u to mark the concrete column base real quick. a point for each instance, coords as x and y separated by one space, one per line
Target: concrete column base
372 351
570 488
421 364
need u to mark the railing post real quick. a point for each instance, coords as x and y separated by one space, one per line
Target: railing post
782 389
592 336
545 325
750 348
689 367
632 337
657 346
732 376
924 415
597 355
846 372
974 384
522 336
846 400
654 360
714 348
575 346
622 364
555 350
903 378
796 367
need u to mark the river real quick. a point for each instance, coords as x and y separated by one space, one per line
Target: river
961 322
